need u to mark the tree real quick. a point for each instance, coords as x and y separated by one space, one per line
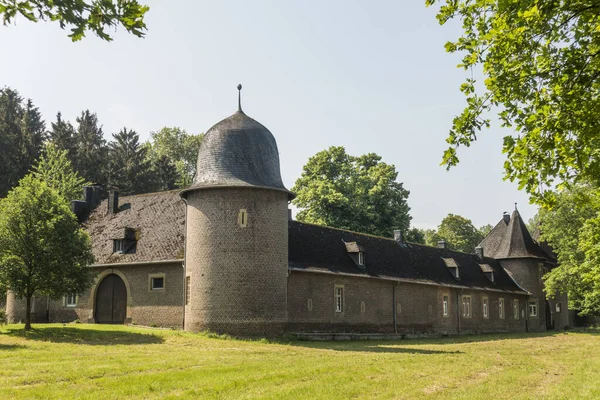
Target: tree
91 151
178 146
42 248
165 174
458 233
432 238
572 229
130 170
415 235
541 66
484 230
22 133
62 134
81 15
355 193
55 169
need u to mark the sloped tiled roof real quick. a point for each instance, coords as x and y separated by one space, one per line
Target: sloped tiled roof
511 240
158 220
321 249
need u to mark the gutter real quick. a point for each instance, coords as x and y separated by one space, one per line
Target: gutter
417 282
114 265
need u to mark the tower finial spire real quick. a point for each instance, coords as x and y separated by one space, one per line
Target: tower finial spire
515 206
239 87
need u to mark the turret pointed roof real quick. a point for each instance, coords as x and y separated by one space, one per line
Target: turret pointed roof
511 239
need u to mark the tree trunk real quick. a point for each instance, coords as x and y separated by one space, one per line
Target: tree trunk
28 314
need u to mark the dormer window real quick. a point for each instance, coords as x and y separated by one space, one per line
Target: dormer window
487 271
356 253
124 242
452 267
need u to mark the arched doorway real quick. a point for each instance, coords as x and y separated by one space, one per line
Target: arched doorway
111 301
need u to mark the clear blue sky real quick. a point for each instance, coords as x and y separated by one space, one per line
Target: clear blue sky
371 76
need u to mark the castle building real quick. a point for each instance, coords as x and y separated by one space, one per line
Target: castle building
224 255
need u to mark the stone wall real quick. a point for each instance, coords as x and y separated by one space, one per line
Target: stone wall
369 307
145 306
238 274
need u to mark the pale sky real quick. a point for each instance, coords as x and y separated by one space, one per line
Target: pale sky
371 76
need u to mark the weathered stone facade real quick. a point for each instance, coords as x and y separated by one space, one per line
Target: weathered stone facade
237 271
369 306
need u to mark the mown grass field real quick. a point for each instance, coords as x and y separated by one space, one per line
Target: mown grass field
107 362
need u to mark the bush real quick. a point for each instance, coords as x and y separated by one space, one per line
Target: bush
2 317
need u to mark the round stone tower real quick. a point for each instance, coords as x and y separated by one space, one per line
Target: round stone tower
236 250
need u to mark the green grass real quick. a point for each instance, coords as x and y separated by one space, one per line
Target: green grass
107 362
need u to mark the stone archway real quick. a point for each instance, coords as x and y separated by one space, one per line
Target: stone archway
111 301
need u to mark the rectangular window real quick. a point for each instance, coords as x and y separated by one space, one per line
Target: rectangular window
157 282
243 218
533 308
118 246
446 305
466 306
361 258
516 308
71 300
339 298
362 306
187 290
501 308
558 306
485 306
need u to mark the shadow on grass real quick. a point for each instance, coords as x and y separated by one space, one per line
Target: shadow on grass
9 347
369 346
93 337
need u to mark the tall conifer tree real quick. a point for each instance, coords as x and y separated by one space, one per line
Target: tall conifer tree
129 167
62 134
91 151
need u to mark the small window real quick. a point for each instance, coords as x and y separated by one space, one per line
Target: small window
446 305
558 307
310 305
516 308
501 308
485 307
533 308
361 258
339 298
466 306
187 290
243 218
71 300
118 246
157 282
362 307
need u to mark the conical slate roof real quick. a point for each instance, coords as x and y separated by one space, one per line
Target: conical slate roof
511 240
238 152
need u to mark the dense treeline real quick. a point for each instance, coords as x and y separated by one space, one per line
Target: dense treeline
167 161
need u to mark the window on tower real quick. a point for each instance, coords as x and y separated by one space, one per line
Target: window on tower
243 218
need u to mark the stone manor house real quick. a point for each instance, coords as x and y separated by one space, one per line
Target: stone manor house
224 255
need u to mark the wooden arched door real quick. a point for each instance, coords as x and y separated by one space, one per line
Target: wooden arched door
111 301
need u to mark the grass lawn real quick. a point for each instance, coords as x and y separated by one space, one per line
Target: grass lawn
106 362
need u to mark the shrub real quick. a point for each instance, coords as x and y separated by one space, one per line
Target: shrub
2 317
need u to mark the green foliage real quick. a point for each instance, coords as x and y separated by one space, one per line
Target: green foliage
2 317
22 133
572 229
129 168
484 230
415 235
178 147
458 233
62 134
91 150
542 74
55 169
42 248
80 15
355 193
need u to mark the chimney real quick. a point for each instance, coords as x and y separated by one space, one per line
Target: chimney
113 201
506 217
479 252
79 208
441 244
398 236
289 214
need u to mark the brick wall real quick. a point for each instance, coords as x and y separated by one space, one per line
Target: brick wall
238 275
145 307
419 307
